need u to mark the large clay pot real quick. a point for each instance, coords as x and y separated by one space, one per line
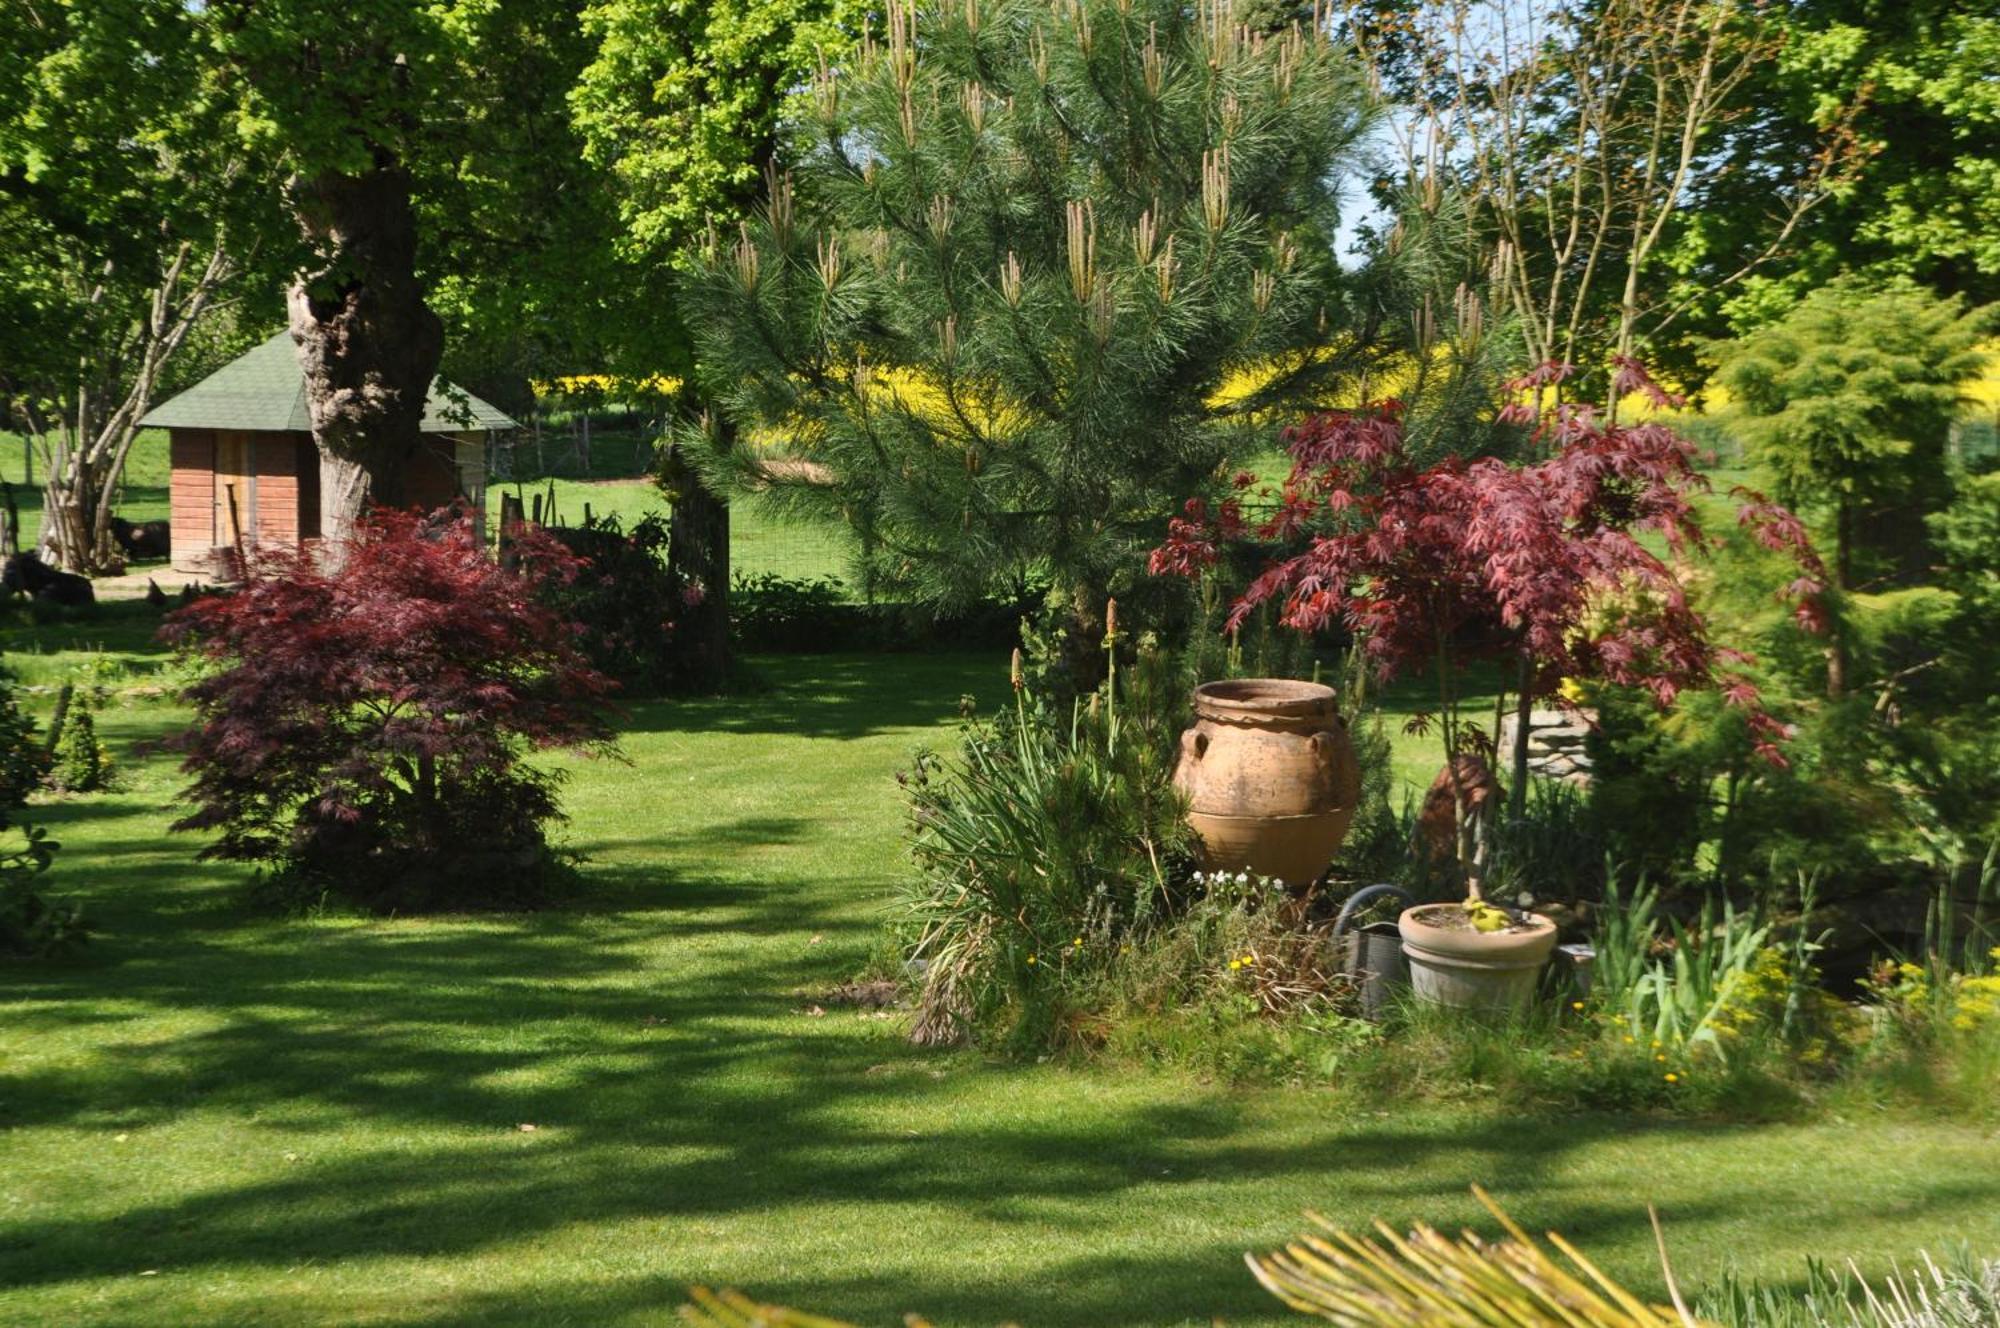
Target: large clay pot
1270 777
1452 964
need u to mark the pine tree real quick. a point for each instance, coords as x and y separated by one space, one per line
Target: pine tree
987 316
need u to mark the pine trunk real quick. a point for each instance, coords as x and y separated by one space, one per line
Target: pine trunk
369 345
698 556
1843 567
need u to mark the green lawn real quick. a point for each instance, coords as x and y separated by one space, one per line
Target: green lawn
223 1118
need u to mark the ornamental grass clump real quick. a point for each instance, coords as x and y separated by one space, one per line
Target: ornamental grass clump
361 729
1673 986
1042 852
1383 1278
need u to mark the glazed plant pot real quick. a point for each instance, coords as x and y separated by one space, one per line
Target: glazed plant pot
1454 965
1270 777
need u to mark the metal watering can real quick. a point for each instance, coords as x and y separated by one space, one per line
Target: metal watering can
1374 953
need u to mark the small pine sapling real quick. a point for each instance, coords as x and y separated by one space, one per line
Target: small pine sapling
79 762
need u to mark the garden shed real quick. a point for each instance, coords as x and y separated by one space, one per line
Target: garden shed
244 434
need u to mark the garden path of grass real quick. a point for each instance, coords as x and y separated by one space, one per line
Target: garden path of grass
223 1118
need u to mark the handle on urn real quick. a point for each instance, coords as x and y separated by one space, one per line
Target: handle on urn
1346 769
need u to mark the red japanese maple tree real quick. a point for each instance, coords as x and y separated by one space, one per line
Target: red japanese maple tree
1539 563
362 727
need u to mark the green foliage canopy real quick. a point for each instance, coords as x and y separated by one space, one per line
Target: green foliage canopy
115 153
680 102
1847 401
1911 86
1024 245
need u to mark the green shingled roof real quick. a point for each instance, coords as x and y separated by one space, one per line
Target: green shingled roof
264 390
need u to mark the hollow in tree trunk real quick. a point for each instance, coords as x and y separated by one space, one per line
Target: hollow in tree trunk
368 343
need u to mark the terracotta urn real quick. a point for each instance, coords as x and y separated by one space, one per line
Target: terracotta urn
1270 777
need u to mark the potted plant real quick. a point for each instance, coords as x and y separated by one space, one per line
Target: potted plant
1533 563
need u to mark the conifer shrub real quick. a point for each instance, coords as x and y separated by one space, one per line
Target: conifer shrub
30 924
363 729
79 761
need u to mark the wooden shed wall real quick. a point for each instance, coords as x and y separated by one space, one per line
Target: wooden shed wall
276 482
191 496
446 468
276 479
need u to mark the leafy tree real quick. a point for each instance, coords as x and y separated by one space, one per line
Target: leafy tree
128 216
1910 85
1024 246
520 244
1587 140
680 103
363 729
1847 402
407 141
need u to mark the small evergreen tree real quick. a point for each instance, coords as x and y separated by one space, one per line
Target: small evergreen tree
81 762
1023 248
1847 402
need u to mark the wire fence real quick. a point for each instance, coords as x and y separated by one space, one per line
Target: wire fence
578 467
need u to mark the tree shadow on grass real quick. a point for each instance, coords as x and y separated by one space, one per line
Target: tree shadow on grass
835 696
696 1092
678 1138
653 1032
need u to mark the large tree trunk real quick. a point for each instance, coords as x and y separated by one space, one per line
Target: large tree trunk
368 343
